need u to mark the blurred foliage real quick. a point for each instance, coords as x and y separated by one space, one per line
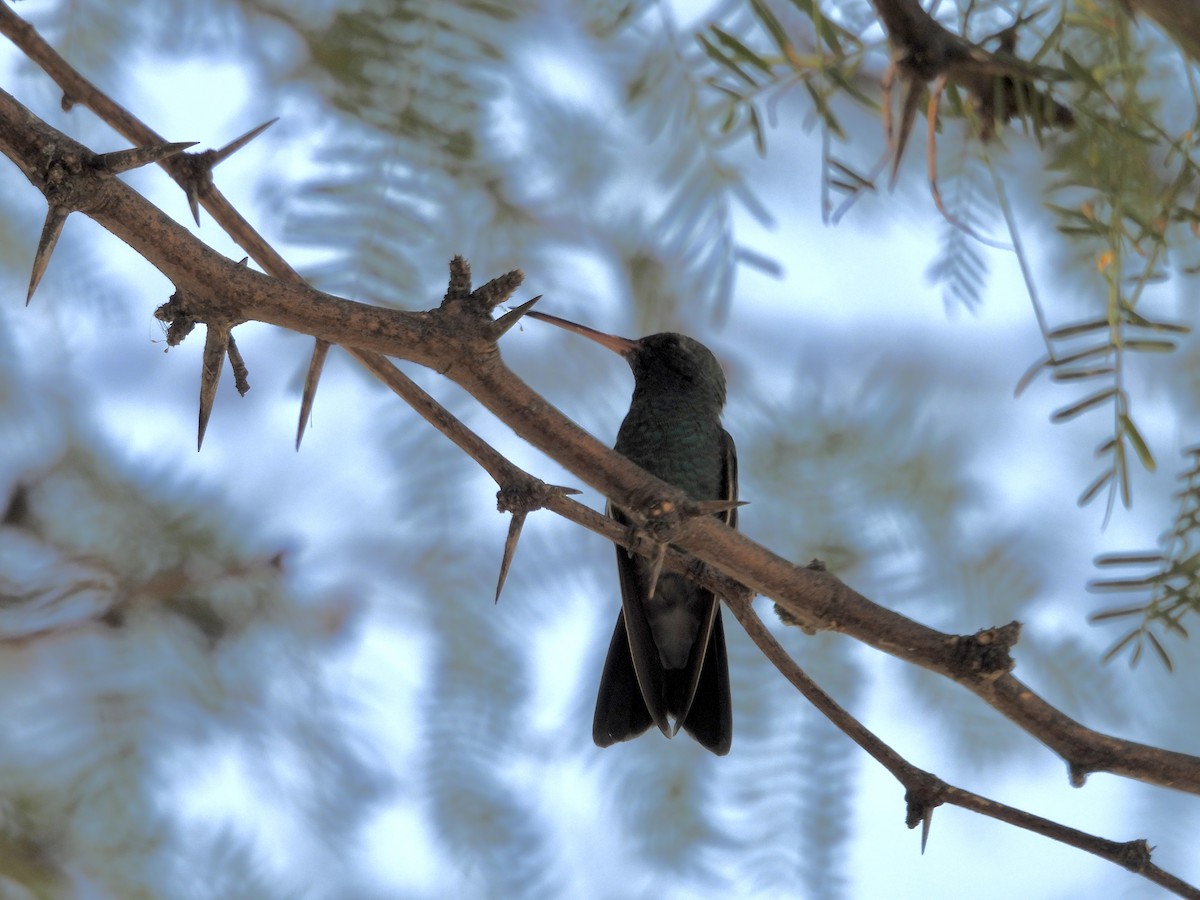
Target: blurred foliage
1121 184
614 149
410 86
1171 578
146 638
961 266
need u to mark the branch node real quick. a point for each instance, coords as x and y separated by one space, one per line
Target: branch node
1135 855
985 656
180 321
528 494
475 306
194 172
922 798
816 565
520 499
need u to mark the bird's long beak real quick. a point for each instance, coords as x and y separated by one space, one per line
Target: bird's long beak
623 346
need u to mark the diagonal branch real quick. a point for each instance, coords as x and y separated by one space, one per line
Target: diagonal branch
925 791
1000 84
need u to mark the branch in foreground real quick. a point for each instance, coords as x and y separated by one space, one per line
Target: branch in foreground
925 791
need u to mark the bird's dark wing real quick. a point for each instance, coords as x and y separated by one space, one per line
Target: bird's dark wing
635 691
729 479
621 712
709 715
710 719
632 690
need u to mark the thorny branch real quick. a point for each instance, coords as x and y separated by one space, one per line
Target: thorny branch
1000 85
924 791
458 340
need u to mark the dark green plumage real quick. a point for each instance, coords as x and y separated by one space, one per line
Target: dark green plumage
666 662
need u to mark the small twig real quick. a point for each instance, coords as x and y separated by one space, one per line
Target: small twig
904 772
935 97
520 493
1022 260
925 791
490 460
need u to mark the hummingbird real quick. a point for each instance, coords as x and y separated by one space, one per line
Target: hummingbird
666 663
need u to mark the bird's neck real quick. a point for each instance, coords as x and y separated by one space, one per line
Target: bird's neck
698 400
